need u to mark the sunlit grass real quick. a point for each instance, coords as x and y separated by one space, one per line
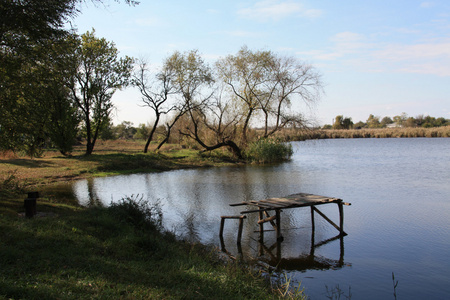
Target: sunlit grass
109 158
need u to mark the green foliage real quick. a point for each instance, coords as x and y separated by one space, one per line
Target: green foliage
99 74
342 123
269 151
138 212
373 122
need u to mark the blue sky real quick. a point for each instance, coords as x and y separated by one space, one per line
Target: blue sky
379 57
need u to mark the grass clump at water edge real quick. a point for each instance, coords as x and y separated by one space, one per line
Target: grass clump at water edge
114 252
269 151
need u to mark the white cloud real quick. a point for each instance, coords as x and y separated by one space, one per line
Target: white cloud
276 10
343 44
398 52
429 58
354 49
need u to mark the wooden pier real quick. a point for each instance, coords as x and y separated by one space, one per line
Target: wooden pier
267 206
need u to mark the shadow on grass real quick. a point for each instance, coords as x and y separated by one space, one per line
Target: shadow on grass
92 254
123 162
29 163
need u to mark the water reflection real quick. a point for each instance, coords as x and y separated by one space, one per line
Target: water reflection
398 222
193 202
272 254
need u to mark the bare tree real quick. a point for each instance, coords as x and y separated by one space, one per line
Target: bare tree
155 93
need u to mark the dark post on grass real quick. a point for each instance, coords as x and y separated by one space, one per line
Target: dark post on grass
30 204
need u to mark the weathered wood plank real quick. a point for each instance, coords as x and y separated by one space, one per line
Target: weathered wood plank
239 204
233 217
267 219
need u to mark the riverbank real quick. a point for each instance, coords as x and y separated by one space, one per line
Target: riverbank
70 252
109 158
113 253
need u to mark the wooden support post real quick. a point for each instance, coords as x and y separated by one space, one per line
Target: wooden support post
329 221
278 228
222 223
313 224
261 226
269 219
341 218
241 225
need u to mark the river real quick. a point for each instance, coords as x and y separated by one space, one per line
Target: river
398 223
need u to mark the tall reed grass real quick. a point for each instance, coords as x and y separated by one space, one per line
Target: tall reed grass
269 151
366 133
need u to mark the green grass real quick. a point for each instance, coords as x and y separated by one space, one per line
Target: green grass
119 252
53 167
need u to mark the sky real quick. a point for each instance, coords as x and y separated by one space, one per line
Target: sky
379 57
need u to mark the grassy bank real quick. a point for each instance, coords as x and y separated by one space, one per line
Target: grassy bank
113 253
119 252
109 158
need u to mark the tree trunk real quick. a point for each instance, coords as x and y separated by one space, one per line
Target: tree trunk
244 129
169 129
150 137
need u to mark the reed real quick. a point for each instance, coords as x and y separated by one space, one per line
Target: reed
269 151
433 132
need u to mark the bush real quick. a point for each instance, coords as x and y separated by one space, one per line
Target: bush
10 184
269 151
138 212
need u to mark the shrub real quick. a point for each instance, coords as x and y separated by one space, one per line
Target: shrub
138 212
268 151
10 184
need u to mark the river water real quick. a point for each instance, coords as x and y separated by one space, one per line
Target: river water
398 222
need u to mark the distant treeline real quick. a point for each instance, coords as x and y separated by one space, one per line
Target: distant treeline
402 120
126 130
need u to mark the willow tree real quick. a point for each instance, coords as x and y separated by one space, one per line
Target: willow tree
100 73
191 78
265 84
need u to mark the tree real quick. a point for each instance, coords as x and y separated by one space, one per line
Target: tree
263 82
359 125
155 93
373 121
99 74
193 78
385 121
342 123
33 101
125 130
400 120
